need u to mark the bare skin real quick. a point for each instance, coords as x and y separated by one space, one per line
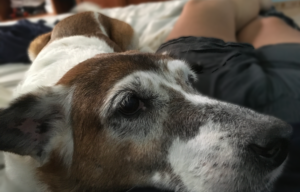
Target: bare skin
268 31
233 21
197 19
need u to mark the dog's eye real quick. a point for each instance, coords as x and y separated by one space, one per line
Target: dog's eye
131 105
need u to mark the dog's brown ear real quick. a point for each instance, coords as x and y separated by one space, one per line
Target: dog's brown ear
29 123
37 45
118 31
123 35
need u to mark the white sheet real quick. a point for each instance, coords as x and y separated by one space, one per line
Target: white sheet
152 22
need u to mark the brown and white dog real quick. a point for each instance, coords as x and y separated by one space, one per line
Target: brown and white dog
89 117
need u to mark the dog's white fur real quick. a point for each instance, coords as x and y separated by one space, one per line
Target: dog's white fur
59 57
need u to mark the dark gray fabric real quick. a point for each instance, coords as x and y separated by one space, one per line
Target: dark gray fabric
266 80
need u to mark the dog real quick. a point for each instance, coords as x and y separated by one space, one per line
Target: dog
94 115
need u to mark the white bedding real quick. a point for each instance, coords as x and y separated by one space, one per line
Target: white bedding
152 22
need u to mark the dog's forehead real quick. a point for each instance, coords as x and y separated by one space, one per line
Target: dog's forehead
96 81
167 73
108 69
170 79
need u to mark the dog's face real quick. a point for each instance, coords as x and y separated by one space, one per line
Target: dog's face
122 120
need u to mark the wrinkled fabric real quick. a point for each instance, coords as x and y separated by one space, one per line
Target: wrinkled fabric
15 39
151 21
266 80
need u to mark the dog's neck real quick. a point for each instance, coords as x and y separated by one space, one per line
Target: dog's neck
59 57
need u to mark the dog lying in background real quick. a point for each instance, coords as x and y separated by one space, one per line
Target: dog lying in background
92 116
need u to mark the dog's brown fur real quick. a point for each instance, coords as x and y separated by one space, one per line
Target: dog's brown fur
88 27
89 135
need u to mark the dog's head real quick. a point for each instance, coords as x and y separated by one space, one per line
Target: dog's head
122 120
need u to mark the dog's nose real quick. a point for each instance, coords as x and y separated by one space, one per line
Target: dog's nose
271 143
274 153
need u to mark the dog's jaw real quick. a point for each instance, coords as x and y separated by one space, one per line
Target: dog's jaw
189 160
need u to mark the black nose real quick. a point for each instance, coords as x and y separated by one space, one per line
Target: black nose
273 153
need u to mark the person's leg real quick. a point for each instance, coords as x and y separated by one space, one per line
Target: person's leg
216 18
268 31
